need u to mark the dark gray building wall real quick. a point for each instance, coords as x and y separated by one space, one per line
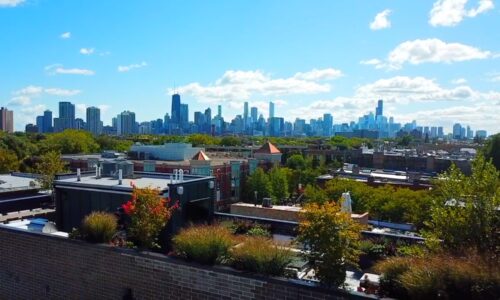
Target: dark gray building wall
38 266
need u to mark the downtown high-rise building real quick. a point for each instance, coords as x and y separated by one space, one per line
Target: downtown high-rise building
125 123
327 125
44 122
66 119
6 120
271 110
254 114
246 120
379 111
94 123
175 117
184 116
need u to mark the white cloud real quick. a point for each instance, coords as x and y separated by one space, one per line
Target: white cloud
429 51
20 101
459 81
131 67
28 114
493 76
86 51
65 35
381 20
24 96
59 69
323 74
471 107
10 3
61 92
452 12
239 86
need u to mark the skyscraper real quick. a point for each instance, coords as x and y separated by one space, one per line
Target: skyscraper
125 123
219 111
379 111
457 131
47 121
271 110
254 113
6 120
327 124
208 120
94 124
184 116
39 124
245 115
66 118
175 117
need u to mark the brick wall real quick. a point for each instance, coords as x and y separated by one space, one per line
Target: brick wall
38 266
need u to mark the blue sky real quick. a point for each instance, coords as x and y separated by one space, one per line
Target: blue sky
434 61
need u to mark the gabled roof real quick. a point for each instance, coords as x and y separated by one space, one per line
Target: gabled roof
268 148
200 156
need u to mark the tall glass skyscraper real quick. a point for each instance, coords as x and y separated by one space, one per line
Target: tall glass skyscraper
125 123
379 111
175 117
94 124
66 118
271 110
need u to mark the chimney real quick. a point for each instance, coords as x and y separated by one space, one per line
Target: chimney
120 176
78 175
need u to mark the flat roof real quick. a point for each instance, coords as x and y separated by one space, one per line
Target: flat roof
112 183
9 182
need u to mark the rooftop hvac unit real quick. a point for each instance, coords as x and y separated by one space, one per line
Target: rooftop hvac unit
110 168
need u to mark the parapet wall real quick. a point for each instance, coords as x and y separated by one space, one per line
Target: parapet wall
39 266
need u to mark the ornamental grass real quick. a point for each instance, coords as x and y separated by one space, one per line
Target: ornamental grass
99 227
203 244
261 255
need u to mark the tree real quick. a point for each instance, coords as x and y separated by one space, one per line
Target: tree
8 161
72 141
230 141
296 162
107 142
492 150
149 213
201 139
279 184
259 182
464 214
332 238
315 194
49 165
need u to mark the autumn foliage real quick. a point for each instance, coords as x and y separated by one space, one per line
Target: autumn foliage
149 213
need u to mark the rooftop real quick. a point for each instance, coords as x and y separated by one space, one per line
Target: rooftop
268 148
160 181
9 182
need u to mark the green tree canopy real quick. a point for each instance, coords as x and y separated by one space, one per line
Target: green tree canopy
296 162
332 239
259 182
465 211
48 166
279 184
71 142
8 161
492 150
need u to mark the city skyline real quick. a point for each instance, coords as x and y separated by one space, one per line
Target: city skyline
424 58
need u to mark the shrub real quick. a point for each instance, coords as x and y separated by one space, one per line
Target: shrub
332 239
440 276
247 227
99 227
258 231
149 213
203 244
261 255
